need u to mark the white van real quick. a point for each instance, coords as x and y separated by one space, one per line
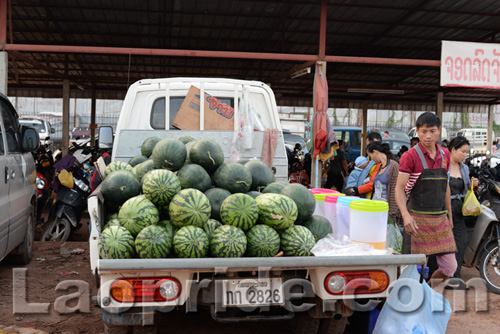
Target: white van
413 133
478 138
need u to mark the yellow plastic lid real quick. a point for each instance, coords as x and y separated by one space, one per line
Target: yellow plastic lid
322 197
369 206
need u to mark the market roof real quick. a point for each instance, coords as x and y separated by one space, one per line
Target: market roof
404 29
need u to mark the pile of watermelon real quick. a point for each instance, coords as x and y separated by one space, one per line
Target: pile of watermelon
180 198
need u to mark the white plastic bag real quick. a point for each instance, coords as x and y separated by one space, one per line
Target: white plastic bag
413 308
332 245
243 132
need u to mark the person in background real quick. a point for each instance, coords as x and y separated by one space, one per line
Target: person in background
386 134
337 169
444 143
494 146
354 177
367 172
423 197
414 141
459 184
402 150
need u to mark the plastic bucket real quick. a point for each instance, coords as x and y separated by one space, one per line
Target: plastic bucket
315 191
320 203
331 211
343 217
368 222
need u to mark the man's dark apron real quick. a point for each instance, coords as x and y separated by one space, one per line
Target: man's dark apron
427 206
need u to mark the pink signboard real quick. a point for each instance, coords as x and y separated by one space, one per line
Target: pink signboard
466 64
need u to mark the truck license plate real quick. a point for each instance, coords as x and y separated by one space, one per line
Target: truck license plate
252 292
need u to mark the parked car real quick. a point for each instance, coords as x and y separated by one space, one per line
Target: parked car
18 191
393 133
396 144
43 127
351 136
291 140
413 133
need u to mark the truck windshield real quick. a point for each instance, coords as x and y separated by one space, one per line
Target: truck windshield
157 119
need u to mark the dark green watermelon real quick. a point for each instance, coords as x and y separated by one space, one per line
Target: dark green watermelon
243 161
254 194
216 196
119 186
194 176
137 160
208 154
116 165
148 146
186 139
141 169
188 149
319 226
233 177
275 187
262 175
303 198
169 153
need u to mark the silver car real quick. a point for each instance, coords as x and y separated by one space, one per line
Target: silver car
17 185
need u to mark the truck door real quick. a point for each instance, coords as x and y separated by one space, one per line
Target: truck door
4 195
19 192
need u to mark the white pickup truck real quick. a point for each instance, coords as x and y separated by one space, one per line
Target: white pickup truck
316 293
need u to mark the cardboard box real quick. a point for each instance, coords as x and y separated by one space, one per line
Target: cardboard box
218 115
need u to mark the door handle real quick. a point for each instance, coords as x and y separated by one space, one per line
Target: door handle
6 174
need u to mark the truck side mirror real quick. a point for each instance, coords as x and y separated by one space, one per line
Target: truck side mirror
52 130
105 137
30 139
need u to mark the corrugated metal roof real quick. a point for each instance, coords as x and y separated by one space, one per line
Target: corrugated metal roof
410 29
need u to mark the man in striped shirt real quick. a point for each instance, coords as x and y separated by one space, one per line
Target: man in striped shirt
423 197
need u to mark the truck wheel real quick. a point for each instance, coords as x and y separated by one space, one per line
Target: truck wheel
58 230
144 329
489 268
303 323
22 254
112 329
332 326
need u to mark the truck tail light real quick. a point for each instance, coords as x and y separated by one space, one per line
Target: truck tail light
356 282
145 290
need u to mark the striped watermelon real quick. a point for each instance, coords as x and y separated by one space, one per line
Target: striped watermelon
262 241
153 242
208 154
239 210
319 226
277 211
142 169
191 242
211 226
303 198
119 186
112 222
297 241
194 176
116 242
190 207
233 177
137 213
275 187
216 196
148 145
228 241
160 186
137 160
116 165
169 227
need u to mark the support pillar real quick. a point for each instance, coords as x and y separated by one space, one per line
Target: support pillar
4 77
65 122
364 127
93 126
491 111
439 109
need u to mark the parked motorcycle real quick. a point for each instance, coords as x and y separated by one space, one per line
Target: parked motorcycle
484 242
296 166
71 199
44 192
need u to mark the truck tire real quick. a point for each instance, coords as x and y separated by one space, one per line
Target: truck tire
303 323
22 254
332 326
144 329
112 329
